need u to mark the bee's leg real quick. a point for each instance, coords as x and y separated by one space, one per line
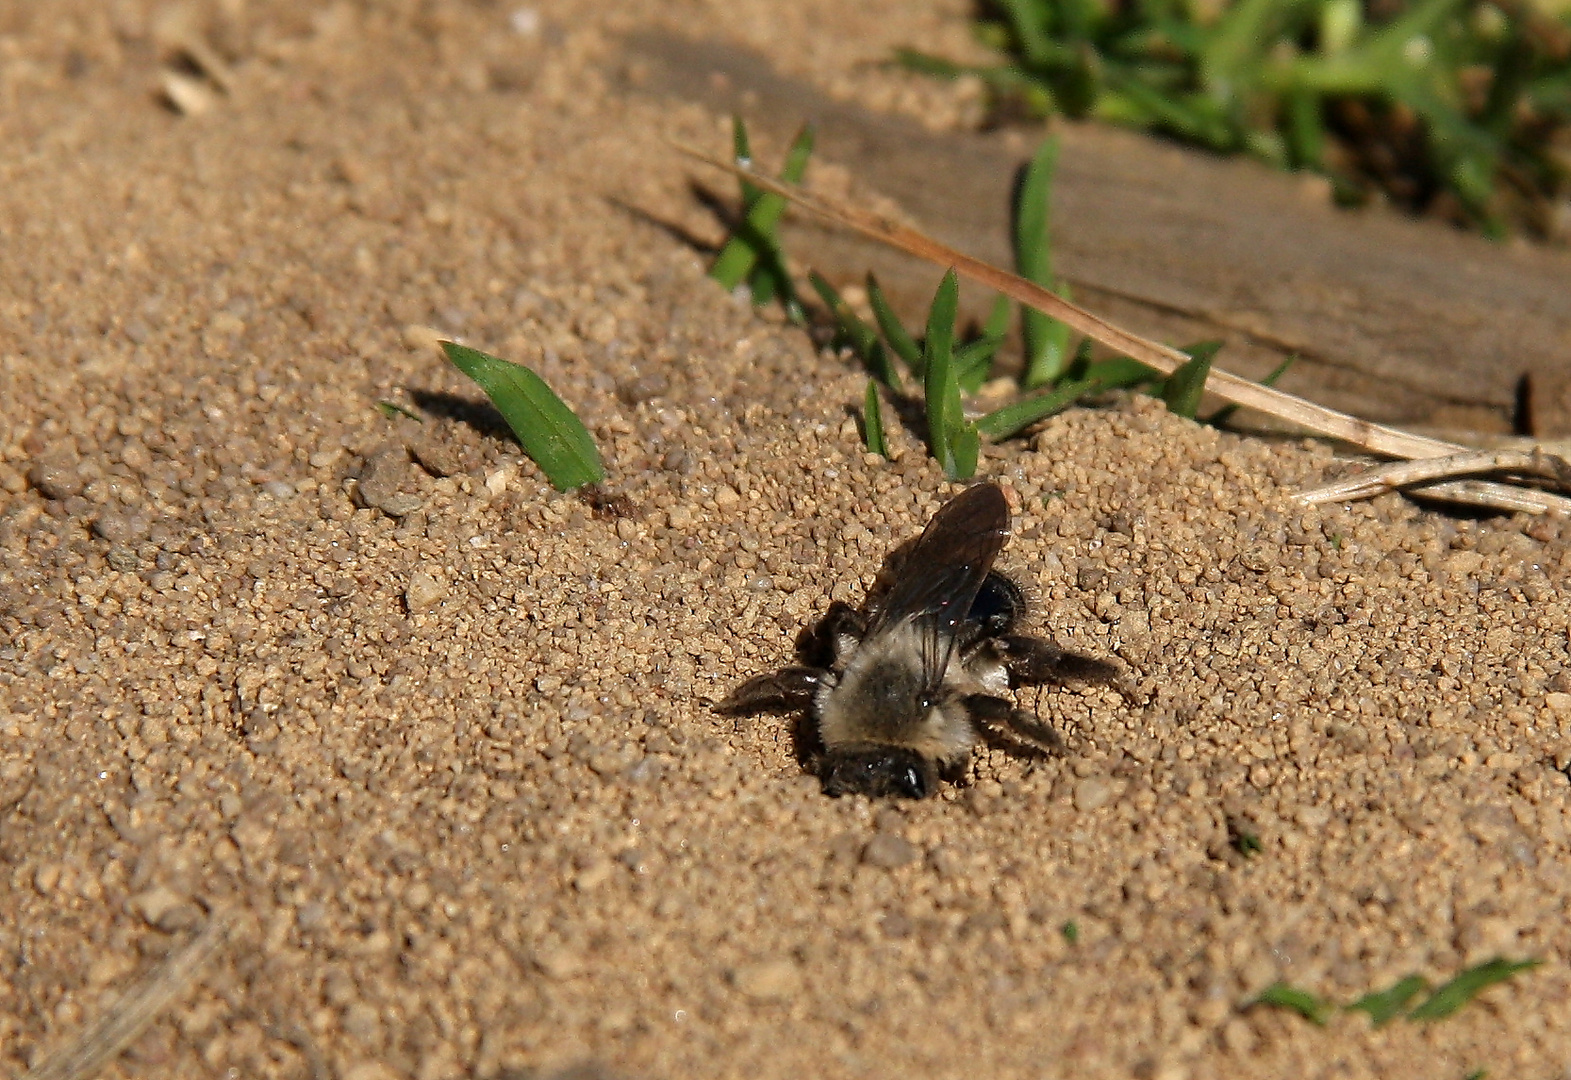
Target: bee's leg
842 630
828 642
1034 660
1000 717
842 618
791 688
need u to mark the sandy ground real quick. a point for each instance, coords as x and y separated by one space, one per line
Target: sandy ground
440 755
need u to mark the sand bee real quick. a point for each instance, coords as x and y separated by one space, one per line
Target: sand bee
902 689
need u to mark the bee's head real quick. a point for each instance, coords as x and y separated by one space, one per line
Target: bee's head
878 772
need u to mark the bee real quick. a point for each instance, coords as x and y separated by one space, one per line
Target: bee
901 690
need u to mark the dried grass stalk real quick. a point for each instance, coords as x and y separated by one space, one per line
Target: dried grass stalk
97 1044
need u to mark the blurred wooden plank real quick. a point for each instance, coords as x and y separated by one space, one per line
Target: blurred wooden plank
1400 321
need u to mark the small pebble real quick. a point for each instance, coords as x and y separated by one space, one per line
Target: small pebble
424 592
1092 793
769 980
887 851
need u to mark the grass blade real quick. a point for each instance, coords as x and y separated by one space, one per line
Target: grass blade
974 361
1184 387
894 331
1385 1005
1015 417
392 410
755 238
1119 372
1468 985
742 154
997 324
873 421
1046 339
954 442
852 331
1305 1004
545 427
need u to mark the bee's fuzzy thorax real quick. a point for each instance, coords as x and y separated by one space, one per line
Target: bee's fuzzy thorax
878 696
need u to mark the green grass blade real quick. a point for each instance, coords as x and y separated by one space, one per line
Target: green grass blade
997 324
1184 387
974 361
1468 985
862 338
873 421
1033 250
1015 417
393 410
1046 339
1119 372
1385 1005
954 442
894 331
755 237
927 64
965 450
545 427
742 154
1305 1004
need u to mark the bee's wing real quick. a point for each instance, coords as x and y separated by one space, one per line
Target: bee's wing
941 573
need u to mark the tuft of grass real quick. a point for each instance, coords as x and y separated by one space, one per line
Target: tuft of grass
753 254
545 427
1056 375
1071 932
1453 107
873 421
1386 1005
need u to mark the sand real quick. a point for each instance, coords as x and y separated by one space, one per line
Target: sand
425 749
